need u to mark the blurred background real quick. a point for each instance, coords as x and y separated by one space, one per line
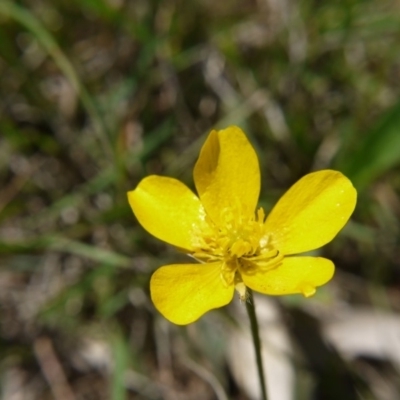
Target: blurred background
95 95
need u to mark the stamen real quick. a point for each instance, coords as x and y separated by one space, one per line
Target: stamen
260 215
239 243
269 254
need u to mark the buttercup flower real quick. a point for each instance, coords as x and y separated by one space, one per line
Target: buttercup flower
235 245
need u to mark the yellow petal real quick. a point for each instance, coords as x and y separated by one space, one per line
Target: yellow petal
184 292
227 173
311 212
293 275
167 209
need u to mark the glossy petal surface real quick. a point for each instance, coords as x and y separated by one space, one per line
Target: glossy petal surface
184 292
167 209
311 212
293 275
227 174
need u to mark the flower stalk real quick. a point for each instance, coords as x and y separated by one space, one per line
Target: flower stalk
251 311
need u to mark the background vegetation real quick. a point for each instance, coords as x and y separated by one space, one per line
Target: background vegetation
96 94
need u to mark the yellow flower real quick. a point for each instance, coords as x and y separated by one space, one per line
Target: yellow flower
238 247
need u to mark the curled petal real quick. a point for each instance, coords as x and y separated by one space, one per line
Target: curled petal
184 292
293 275
167 209
227 174
311 212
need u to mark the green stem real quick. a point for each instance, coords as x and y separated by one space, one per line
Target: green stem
251 311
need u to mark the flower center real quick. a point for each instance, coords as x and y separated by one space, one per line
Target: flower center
241 244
